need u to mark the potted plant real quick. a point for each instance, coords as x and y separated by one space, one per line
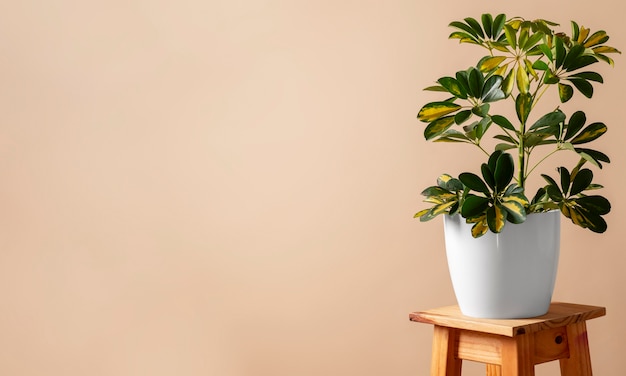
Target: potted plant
490 212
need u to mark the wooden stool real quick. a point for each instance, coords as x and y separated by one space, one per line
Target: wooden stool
511 347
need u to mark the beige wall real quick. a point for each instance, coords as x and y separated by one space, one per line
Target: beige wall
227 188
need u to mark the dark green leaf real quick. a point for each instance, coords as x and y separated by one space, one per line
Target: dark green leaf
540 65
576 122
497 25
482 110
491 90
560 52
475 26
565 179
493 159
488 175
503 122
554 192
596 155
573 54
597 204
482 126
503 172
581 62
591 76
550 181
461 116
464 27
474 182
487 24
475 83
474 205
583 86
581 181
546 51
549 119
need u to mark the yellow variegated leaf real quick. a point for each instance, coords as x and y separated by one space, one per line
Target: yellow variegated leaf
434 200
582 35
515 23
522 79
498 220
421 213
443 179
480 228
605 50
577 218
596 38
491 63
508 83
442 207
435 110
519 199
565 211
516 210
501 70
530 69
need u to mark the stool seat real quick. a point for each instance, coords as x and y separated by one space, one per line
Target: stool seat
511 347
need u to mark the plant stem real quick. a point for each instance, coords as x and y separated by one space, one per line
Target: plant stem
542 159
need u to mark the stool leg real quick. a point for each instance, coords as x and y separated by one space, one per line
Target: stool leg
579 361
517 356
444 361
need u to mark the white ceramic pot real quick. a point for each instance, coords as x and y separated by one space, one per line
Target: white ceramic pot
506 275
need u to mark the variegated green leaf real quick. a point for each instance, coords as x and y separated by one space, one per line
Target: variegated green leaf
453 87
522 106
441 208
565 92
582 34
530 70
421 213
521 77
590 133
508 83
496 218
464 37
511 35
605 50
480 228
491 63
435 110
516 211
596 38
437 127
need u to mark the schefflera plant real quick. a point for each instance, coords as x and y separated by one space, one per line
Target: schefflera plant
525 59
